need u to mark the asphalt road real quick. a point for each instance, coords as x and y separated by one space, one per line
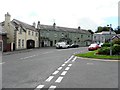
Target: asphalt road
57 68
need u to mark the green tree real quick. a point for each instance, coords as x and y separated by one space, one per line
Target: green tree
105 28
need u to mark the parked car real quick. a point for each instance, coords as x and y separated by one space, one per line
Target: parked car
62 45
74 45
93 47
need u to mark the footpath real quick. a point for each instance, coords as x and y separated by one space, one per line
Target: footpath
17 51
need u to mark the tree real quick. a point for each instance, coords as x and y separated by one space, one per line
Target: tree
105 28
99 29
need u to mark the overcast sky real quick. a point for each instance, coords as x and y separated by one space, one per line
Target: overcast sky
88 14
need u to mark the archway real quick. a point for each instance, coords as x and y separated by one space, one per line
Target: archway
30 44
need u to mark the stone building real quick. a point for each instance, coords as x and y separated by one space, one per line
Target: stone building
51 34
103 36
3 39
19 34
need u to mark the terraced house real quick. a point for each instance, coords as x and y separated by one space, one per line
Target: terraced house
21 35
49 35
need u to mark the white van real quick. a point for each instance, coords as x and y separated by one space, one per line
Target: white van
61 45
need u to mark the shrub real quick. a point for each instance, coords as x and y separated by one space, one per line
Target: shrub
116 41
104 51
106 45
116 49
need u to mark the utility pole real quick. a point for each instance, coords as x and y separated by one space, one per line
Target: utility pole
110 41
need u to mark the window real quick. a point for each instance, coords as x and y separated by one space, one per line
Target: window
81 36
62 34
55 35
19 40
36 34
22 43
32 33
28 32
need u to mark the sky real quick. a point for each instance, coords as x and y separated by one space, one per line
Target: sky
88 14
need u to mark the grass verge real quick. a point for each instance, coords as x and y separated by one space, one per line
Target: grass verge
92 54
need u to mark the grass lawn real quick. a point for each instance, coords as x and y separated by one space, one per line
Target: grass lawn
92 54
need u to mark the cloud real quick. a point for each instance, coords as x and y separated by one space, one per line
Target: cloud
68 13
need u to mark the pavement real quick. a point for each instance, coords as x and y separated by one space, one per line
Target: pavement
17 51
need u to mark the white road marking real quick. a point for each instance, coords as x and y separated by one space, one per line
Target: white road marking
59 68
69 59
40 86
74 59
70 65
55 72
63 65
66 61
67 68
59 79
64 72
49 79
53 87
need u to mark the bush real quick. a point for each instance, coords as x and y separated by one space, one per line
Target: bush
106 45
104 51
116 49
116 41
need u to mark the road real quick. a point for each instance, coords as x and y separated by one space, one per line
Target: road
57 68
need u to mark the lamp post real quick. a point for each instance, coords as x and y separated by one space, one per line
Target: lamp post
110 41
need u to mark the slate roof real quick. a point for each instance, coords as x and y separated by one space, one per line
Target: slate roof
48 27
66 29
23 25
116 36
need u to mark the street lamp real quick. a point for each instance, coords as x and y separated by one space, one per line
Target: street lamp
110 41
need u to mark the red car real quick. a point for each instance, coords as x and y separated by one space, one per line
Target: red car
93 47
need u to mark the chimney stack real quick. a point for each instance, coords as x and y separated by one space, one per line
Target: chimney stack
38 25
79 28
54 25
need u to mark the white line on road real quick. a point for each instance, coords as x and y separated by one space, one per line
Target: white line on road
63 64
59 79
53 87
49 79
55 72
74 59
70 65
66 62
40 86
64 72
59 68
67 68
70 57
